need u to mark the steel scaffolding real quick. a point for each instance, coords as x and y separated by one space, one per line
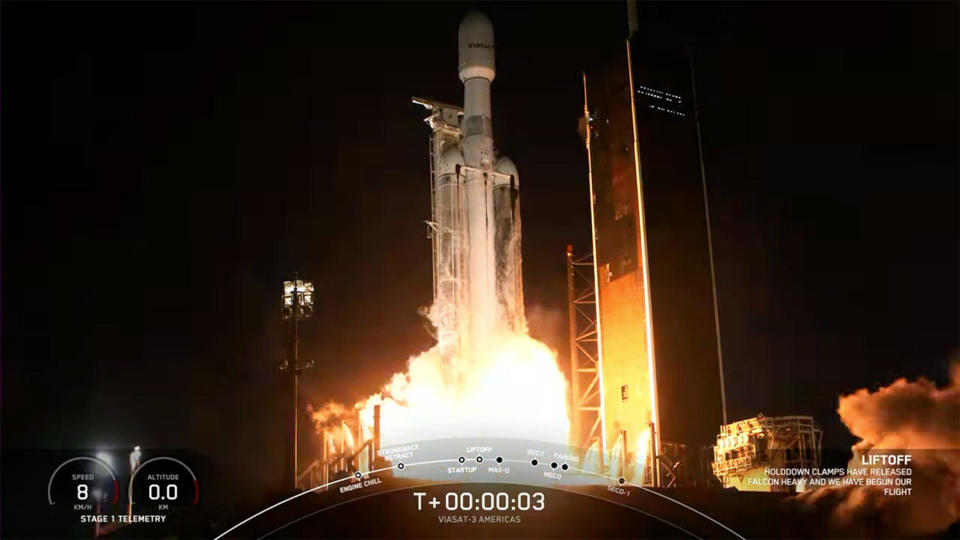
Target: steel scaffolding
585 412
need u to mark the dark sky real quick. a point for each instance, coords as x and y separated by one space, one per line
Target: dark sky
166 166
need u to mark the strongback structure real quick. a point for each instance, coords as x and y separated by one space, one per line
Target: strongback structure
475 221
659 371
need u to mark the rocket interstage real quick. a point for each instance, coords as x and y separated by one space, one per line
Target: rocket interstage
478 287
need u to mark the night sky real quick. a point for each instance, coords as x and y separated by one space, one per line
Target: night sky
166 166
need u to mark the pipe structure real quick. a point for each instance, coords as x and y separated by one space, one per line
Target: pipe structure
376 431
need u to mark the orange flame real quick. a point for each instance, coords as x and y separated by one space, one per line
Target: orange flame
516 391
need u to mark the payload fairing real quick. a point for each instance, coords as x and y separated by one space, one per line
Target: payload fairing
475 225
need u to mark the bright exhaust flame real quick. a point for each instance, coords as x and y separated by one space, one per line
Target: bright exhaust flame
512 390
499 383
516 391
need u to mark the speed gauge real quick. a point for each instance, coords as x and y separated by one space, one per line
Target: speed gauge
83 481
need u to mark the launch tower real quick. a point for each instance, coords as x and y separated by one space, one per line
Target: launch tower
658 371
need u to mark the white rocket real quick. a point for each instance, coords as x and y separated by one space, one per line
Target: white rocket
475 226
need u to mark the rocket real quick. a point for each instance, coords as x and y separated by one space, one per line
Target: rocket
475 222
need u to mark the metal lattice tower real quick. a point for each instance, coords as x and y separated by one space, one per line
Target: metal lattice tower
585 410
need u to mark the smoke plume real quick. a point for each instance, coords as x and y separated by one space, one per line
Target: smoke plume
913 417
328 413
548 325
514 391
333 422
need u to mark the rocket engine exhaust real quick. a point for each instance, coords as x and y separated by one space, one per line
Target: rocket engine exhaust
485 376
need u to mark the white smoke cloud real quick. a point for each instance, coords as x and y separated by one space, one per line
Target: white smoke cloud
548 325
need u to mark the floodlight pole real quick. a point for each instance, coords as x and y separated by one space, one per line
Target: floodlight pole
295 369
299 294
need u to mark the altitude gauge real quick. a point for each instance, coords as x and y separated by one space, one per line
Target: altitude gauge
163 482
84 483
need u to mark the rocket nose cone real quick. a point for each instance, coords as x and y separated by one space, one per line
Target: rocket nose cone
476 23
475 46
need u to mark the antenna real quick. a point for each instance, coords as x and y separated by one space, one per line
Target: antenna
706 209
633 20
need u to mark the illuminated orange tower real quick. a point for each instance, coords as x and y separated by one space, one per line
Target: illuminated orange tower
658 384
626 363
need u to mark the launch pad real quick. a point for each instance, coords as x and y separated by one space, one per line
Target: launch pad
622 401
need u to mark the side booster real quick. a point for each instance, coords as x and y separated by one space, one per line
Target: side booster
475 196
